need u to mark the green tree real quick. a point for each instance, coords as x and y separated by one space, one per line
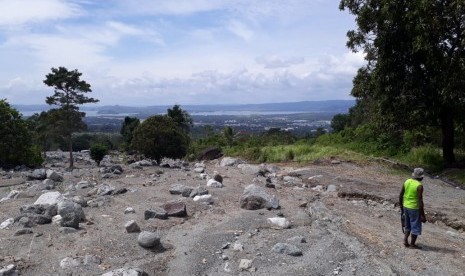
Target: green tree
228 135
98 152
127 130
159 136
69 93
180 117
339 122
16 145
415 64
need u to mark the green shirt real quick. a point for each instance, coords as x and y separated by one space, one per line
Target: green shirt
410 199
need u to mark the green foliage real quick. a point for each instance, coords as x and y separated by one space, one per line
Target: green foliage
16 145
180 117
69 92
428 157
159 136
127 130
83 141
98 152
339 122
414 71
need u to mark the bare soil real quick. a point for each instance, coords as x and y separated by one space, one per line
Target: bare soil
353 231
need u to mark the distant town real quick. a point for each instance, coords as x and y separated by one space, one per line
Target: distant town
299 118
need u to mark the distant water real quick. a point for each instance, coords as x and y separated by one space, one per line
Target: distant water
94 113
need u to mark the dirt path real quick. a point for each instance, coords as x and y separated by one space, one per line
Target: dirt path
353 231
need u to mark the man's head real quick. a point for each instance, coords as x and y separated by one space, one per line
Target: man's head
418 173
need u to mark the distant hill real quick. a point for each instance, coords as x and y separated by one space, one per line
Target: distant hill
332 106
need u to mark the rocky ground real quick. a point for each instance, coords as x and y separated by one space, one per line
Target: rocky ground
327 218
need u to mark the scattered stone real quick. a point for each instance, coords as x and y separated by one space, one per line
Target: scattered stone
177 189
100 201
37 174
69 263
214 184
297 239
148 239
11 195
208 199
80 200
226 245
129 210
255 197
25 222
127 271
23 231
288 249
238 246
9 270
318 188
331 188
187 191
7 223
217 177
91 259
245 264
156 212
203 176
335 162
50 198
175 209
71 214
132 227
105 189
251 169
57 219
199 170
229 161
120 191
226 267
198 192
67 230
53 175
135 166
282 223
303 204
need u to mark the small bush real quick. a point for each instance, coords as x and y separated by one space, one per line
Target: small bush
97 152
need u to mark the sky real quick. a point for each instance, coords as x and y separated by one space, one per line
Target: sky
164 52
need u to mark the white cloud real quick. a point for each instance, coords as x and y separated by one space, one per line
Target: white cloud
241 30
17 12
272 62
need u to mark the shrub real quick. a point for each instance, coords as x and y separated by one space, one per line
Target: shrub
97 152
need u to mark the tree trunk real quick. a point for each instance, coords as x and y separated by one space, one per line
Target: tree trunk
71 160
448 144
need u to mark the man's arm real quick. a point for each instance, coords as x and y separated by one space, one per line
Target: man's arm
420 203
401 199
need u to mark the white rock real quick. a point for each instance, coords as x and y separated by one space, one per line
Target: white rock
129 210
7 223
245 264
199 170
238 247
228 161
50 198
214 184
69 263
57 219
53 175
318 188
278 221
204 198
331 188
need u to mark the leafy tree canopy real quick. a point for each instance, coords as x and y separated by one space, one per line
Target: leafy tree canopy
159 136
180 117
415 64
16 146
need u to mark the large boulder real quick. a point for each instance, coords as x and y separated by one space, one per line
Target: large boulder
210 154
37 174
156 212
214 184
286 248
148 239
49 198
71 214
175 208
53 175
255 197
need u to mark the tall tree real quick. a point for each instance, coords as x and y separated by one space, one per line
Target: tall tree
127 130
16 145
180 117
69 93
415 52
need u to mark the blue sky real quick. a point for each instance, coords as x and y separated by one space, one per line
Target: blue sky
153 52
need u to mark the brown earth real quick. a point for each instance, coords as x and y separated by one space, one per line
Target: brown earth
353 231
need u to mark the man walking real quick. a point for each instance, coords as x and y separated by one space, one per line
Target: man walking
411 206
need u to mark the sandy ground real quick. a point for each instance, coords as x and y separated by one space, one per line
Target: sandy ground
353 231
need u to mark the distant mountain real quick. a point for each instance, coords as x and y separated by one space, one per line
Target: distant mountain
332 106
